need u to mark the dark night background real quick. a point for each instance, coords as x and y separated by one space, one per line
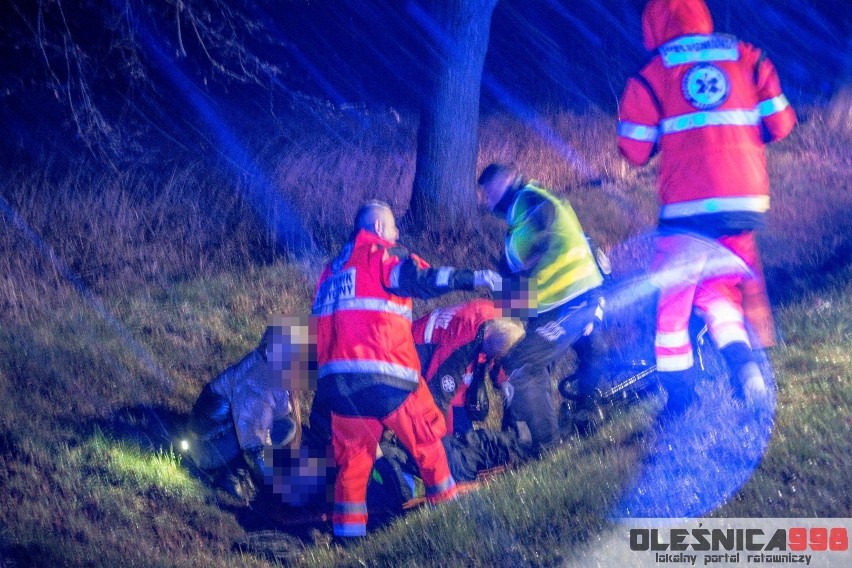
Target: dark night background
573 53
133 77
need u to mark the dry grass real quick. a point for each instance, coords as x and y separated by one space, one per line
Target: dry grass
127 291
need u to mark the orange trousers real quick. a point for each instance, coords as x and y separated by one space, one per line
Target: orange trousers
419 425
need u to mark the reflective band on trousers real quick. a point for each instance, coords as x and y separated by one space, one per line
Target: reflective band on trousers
751 204
369 367
366 304
710 118
436 490
729 332
639 132
350 529
672 339
350 519
342 508
723 312
675 362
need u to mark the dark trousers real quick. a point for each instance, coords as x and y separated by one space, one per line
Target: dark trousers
480 450
551 336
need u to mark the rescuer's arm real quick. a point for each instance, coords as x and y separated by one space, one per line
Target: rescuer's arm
639 114
411 276
777 116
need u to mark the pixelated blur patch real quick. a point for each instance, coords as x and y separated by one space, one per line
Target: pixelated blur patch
303 476
517 299
291 352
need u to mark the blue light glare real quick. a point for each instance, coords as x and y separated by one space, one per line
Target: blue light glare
91 299
696 463
526 114
271 206
693 464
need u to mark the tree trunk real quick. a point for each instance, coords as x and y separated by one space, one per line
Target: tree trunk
840 108
448 136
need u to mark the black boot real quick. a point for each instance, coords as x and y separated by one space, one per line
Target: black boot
746 378
256 465
680 386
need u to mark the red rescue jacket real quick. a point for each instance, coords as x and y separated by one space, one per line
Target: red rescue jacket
708 102
362 329
453 338
362 312
453 328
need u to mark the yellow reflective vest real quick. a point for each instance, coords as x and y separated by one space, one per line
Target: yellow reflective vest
546 244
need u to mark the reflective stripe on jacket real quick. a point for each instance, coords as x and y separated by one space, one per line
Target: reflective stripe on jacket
545 242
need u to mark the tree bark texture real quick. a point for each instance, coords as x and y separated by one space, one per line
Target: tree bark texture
448 136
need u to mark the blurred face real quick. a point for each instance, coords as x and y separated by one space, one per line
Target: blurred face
289 354
386 226
492 192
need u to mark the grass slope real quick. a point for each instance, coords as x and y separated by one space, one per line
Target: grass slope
123 294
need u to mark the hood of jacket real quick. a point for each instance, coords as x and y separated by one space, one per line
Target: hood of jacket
663 20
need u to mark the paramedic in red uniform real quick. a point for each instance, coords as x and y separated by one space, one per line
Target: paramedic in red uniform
369 373
708 103
457 344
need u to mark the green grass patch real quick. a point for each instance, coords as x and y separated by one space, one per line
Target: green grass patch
805 470
124 465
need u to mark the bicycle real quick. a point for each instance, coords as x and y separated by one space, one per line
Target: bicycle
633 379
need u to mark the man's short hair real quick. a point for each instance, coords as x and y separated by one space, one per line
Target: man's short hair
494 171
366 215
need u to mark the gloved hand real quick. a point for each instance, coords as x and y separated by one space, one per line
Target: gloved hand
508 392
487 279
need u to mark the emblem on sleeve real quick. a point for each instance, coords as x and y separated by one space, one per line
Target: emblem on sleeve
448 383
705 86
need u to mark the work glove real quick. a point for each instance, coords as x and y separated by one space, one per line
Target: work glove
487 279
508 392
